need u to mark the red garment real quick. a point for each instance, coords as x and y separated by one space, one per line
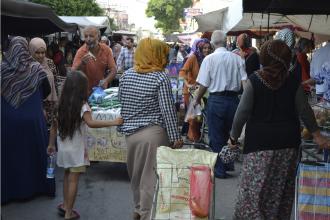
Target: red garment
95 69
305 69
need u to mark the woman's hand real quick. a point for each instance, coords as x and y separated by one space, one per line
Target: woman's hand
321 140
232 143
177 144
51 150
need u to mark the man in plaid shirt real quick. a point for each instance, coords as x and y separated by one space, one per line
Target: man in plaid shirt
126 57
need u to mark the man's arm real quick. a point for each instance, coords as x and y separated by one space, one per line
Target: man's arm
200 93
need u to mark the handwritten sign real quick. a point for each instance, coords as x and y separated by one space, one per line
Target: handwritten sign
106 144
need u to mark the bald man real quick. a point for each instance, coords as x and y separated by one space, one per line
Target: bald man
248 53
93 58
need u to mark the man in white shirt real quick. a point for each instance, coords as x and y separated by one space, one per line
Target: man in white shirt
221 73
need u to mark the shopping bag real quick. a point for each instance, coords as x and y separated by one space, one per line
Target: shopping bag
97 95
229 154
314 191
173 170
200 190
193 112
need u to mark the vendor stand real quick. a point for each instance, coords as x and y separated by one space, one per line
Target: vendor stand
106 144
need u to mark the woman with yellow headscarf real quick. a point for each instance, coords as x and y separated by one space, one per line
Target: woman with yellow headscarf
150 119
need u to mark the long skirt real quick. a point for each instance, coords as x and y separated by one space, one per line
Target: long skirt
266 187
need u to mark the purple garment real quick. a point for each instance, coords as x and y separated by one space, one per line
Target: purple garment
197 49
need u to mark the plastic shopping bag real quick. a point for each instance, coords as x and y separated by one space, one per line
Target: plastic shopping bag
200 190
97 95
313 191
193 111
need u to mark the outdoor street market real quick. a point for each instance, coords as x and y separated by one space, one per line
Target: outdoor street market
165 109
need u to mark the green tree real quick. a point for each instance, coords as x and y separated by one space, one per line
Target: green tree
112 24
167 13
73 7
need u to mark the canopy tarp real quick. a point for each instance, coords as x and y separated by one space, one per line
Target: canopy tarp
287 7
232 18
83 21
30 19
124 32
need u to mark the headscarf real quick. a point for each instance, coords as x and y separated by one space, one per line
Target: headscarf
198 51
287 36
275 58
20 74
150 56
34 45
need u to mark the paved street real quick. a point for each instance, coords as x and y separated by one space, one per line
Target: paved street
104 194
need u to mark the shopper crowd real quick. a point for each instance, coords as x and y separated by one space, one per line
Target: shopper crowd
273 84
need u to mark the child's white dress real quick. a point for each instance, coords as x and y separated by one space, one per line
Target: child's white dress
73 152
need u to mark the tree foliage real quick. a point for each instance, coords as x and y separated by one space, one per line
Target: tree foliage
167 13
73 7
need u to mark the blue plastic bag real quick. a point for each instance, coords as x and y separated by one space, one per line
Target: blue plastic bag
97 95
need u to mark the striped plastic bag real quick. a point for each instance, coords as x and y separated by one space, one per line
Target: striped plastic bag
314 192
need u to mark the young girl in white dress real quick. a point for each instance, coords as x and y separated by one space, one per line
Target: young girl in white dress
73 117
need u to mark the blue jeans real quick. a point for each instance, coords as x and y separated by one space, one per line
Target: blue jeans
326 155
220 114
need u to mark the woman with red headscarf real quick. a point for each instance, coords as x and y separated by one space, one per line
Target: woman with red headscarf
189 72
271 105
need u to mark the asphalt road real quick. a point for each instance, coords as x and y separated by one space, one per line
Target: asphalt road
104 194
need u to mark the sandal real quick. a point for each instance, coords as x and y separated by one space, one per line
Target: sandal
75 215
61 210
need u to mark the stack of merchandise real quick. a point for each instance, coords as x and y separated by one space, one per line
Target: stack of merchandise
104 102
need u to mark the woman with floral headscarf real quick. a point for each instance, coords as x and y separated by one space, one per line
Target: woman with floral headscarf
24 141
149 117
271 105
189 72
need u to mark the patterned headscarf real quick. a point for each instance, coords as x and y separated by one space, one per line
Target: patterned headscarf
34 45
20 74
198 51
275 58
287 36
151 55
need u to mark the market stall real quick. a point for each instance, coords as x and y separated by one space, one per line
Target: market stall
30 19
106 144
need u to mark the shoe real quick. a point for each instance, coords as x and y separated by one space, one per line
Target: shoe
75 215
61 210
136 216
223 176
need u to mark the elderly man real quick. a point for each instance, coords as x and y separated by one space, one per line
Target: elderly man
126 57
105 40
248 53
221 73
93 58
